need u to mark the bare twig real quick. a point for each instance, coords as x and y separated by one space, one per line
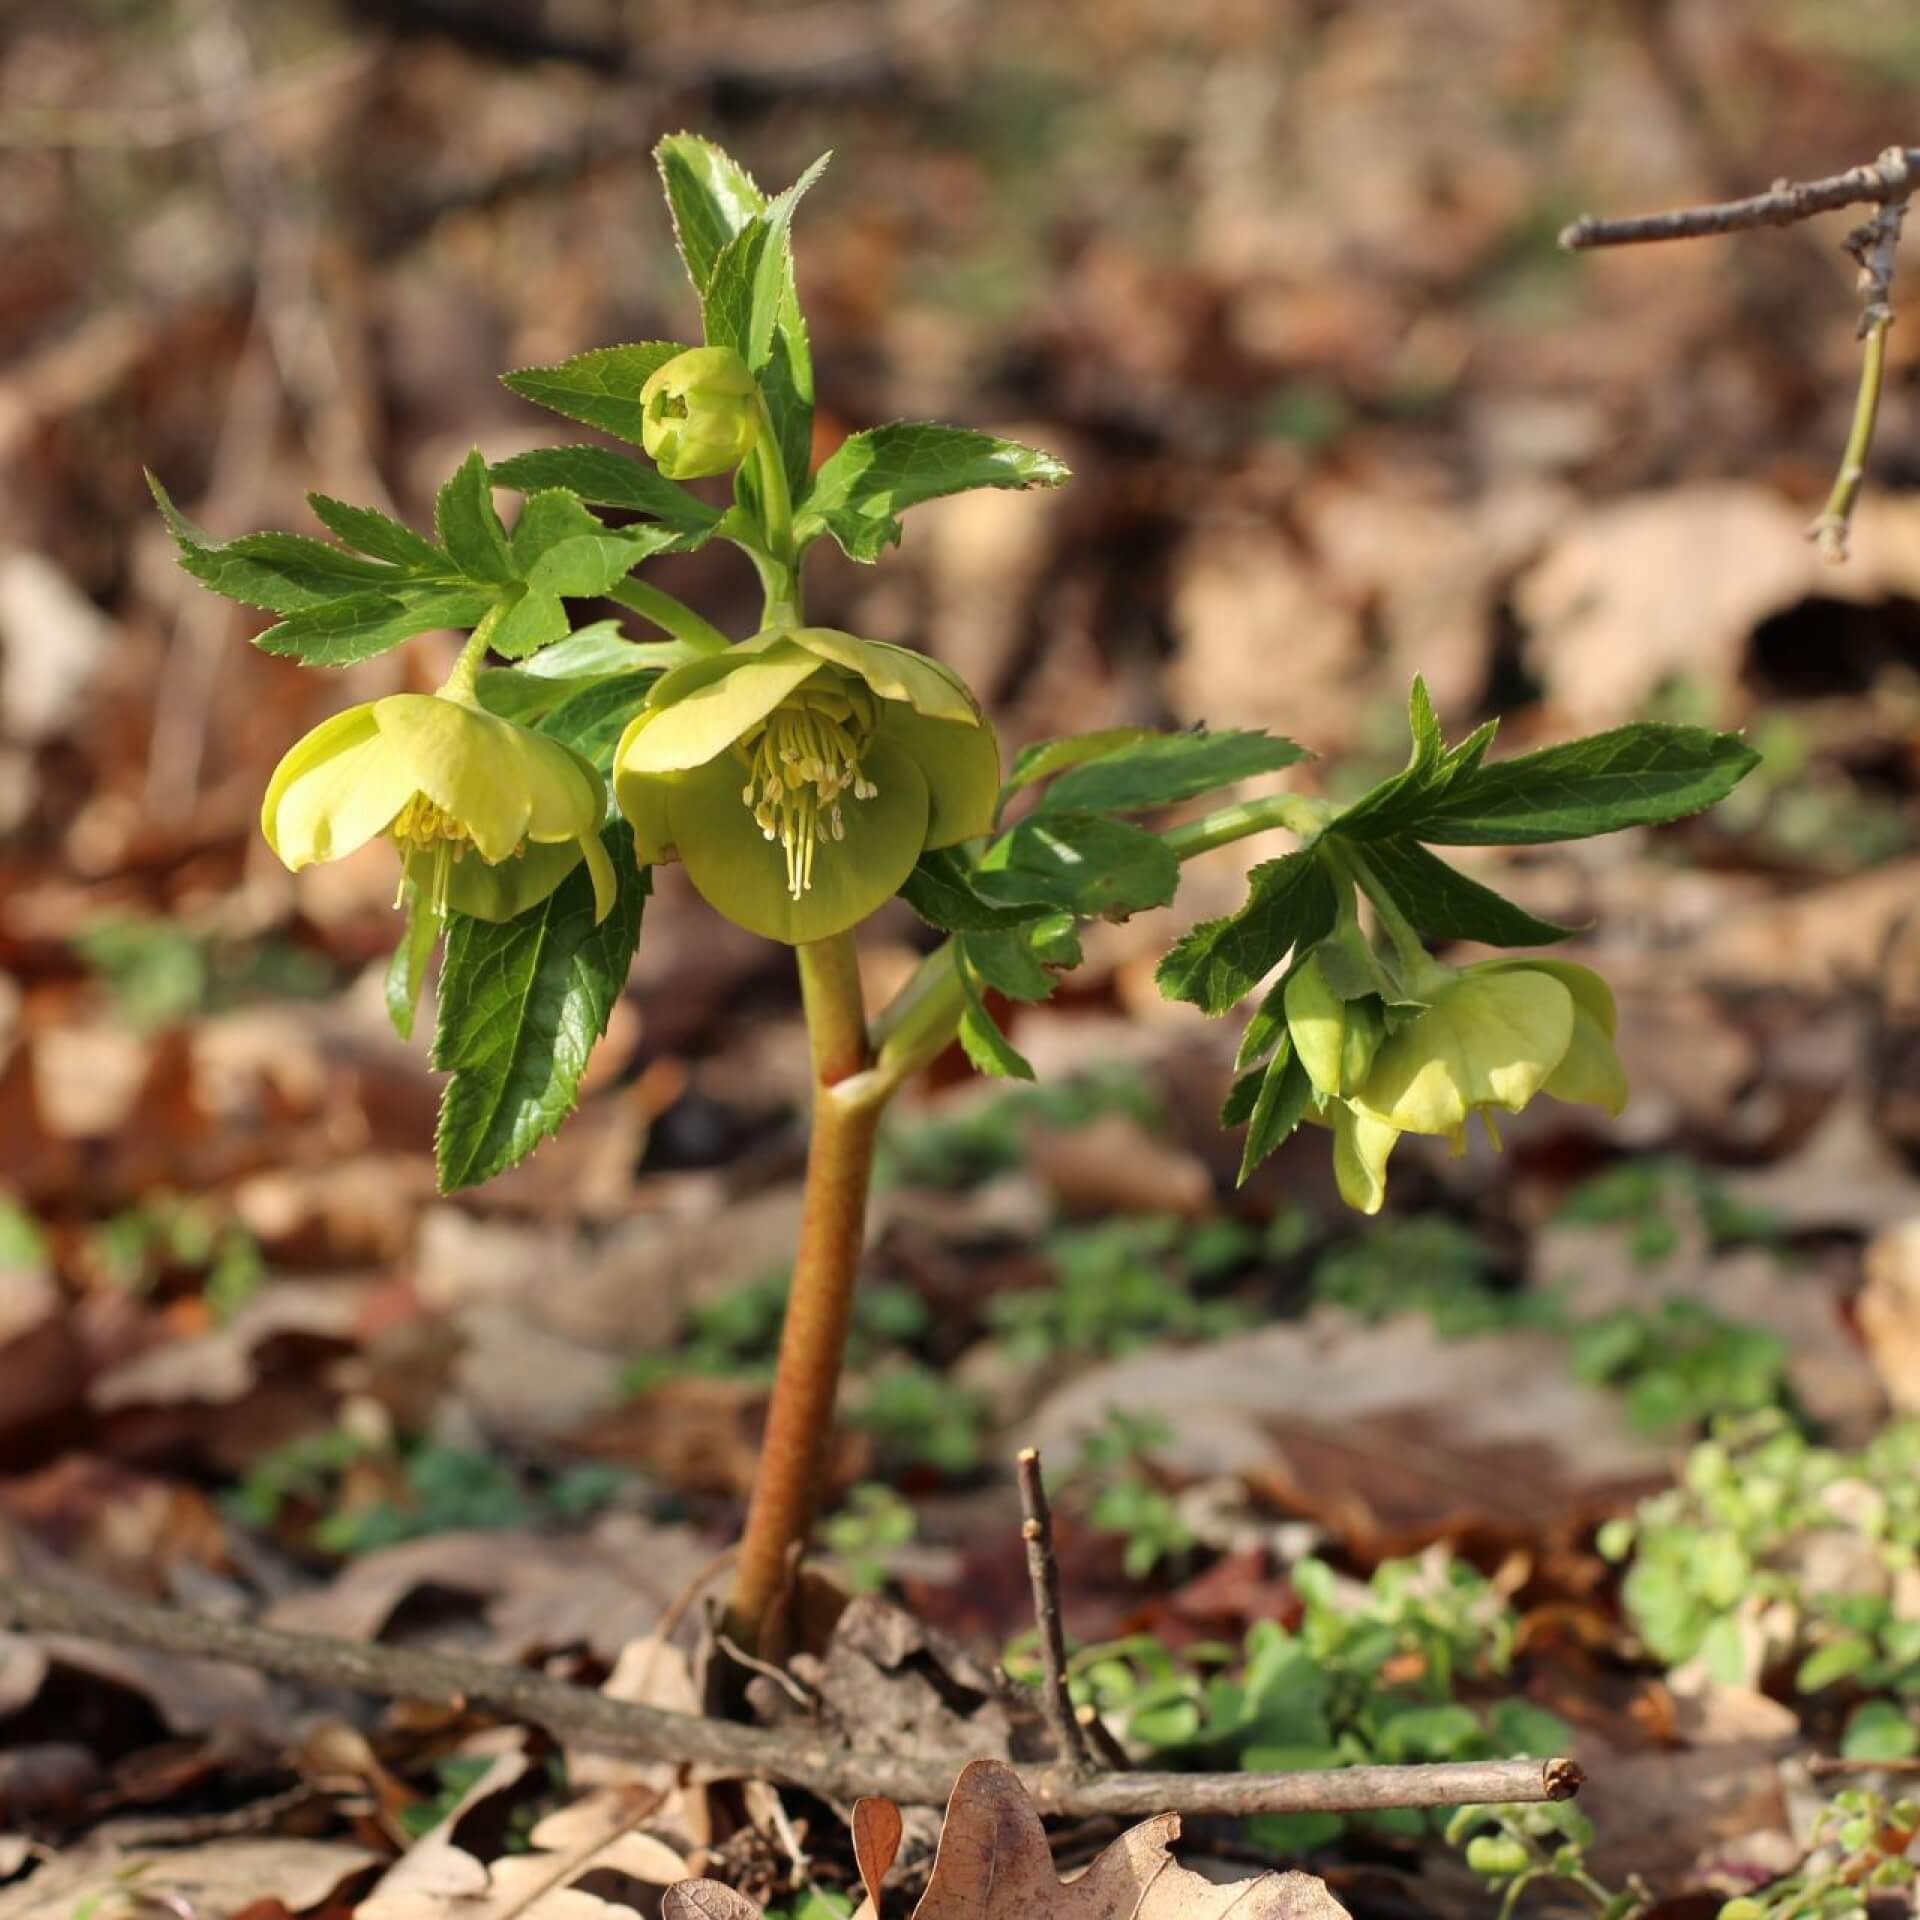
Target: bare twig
1829 1765
1874 245
1783 205
800 1759
1043 1572
1886 184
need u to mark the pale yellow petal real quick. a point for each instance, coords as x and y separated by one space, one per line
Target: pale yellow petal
334 790
1361 1145
894 673
711 710
961 766
468 763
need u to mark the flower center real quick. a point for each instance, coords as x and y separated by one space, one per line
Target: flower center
800 761
422 827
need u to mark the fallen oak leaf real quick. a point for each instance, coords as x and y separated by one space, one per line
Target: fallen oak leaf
994 1863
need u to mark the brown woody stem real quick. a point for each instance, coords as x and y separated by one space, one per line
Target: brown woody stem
813 1338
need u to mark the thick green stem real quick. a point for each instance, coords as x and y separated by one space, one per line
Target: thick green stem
776 501
846 1117
670 615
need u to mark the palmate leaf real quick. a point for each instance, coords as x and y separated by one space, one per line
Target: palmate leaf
1163 769
611 479
600 388
520 1008
872 478
1290 903
1080 863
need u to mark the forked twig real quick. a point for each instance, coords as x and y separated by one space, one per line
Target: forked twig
1886 184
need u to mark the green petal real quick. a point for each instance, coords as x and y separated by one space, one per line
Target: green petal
1317 1020
1590 1073
1589 990
894 673
642 798
466 762
569 801
334 790
1491 1039
1361 1145
502 892
743 875
691 728
961 766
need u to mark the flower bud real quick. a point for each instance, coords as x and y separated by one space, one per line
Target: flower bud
700 413
1336 1039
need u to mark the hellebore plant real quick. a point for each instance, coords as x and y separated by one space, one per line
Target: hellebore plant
805 776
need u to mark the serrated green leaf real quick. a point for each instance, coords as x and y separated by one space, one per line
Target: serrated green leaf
1285 1089
600 388
521 1006
711 197
591 564
365 624
1633 776
1164 769
1007 963
407 970
1237 1109
546 518
872 478
1044 758
610 479
751 305
940 890
1080 863
989 1049
590 653
530 621
1268 1022
469 528
592 720
1444 904
281 572
1290 901
1396 802
374 533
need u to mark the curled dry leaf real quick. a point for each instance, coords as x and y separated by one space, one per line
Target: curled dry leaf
877 1828
994 1864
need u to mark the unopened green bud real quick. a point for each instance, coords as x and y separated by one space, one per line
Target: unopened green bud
1335 1038
700 413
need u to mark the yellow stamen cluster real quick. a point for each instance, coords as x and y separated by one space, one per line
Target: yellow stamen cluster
800 761
422 827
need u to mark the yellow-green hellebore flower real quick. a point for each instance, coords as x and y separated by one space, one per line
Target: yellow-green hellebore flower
1495 1036
489 818
800 774
700 413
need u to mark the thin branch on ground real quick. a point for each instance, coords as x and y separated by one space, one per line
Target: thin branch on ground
1043 1572
1833 1765
1882 182
1886 184
794 1758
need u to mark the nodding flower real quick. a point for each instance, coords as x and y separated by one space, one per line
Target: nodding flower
488 817
801 774
700 413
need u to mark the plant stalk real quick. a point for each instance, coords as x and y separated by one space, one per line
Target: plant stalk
669 615
846 1118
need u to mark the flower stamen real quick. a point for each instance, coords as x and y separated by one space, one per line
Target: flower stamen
800 762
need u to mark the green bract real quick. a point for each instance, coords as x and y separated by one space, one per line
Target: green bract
800 775
1495 1036
489 818
700 413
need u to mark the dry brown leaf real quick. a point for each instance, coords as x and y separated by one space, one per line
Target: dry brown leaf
994 1864
218 1877
877 1828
